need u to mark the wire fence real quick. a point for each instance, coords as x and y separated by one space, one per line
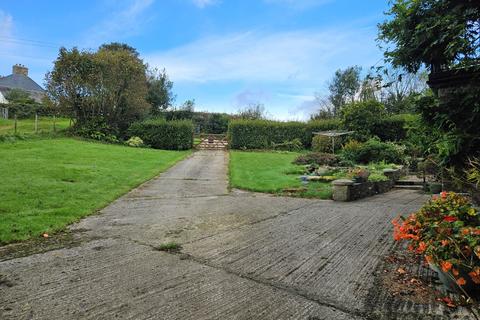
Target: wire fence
33 124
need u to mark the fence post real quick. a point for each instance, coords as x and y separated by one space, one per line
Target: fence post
15 123
36 122
54 127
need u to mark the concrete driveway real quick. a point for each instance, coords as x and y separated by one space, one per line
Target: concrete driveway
243 256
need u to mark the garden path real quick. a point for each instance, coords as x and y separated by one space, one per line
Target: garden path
243 256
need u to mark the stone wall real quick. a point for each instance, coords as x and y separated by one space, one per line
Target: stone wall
348 190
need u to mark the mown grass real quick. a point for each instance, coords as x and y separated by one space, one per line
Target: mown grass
272 172
27 126
47 184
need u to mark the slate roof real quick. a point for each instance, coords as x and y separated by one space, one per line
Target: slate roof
19 81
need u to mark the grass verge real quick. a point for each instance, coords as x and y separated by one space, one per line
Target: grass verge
272 172
49 183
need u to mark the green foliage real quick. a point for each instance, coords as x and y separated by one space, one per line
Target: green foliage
343 87
293 145
456 116
321 144
21 104
433 33
321 159
204 122
109 85
373 150
96 129
169 247
159 94
363 117
134 142
252 112
394 128
162 134
377 177
67 180
262 134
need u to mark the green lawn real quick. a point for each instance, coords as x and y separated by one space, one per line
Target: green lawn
272 172
47 184
27 126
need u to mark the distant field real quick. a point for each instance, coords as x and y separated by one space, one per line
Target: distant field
47 184
27 126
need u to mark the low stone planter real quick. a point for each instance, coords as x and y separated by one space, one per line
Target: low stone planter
348 190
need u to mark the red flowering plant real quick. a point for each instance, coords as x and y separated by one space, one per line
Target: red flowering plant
446 230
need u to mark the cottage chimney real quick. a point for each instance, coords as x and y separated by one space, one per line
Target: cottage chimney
20 69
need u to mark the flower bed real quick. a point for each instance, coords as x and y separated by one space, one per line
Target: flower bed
446 231
349 190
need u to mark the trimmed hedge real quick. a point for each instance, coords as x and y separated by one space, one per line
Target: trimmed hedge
264 134
394 128
162 134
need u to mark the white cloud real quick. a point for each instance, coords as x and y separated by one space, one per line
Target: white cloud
6 30
298 56
120 24
204 3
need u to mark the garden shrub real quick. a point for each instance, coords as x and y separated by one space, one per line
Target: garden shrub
321 144
394 128
293 145
162 134
363 118
377 177
318 158
373 151
263 134
135 142
96 129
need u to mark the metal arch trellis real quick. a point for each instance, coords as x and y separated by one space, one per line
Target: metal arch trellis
333 135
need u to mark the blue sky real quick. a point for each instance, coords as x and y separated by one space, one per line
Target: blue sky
225 54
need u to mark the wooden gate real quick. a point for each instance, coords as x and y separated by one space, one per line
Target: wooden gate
212 142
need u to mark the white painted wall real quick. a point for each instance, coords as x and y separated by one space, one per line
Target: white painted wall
2 99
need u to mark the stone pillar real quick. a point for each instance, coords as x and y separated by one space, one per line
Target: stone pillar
342 189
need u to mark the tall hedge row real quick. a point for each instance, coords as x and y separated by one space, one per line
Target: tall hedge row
262 134
162 134
394 128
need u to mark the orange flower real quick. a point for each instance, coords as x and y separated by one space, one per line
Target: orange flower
475 275
429 259
455 272
450 219
445 243
421 247
461 282
443 194
465 231
446 266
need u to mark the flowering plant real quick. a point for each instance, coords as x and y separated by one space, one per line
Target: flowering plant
358 174
446 230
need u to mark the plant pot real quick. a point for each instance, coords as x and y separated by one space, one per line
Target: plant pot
435 188
449 282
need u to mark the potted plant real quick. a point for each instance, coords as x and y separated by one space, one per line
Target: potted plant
446 231
359 175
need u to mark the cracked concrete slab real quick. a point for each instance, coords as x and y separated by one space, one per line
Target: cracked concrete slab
244 256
